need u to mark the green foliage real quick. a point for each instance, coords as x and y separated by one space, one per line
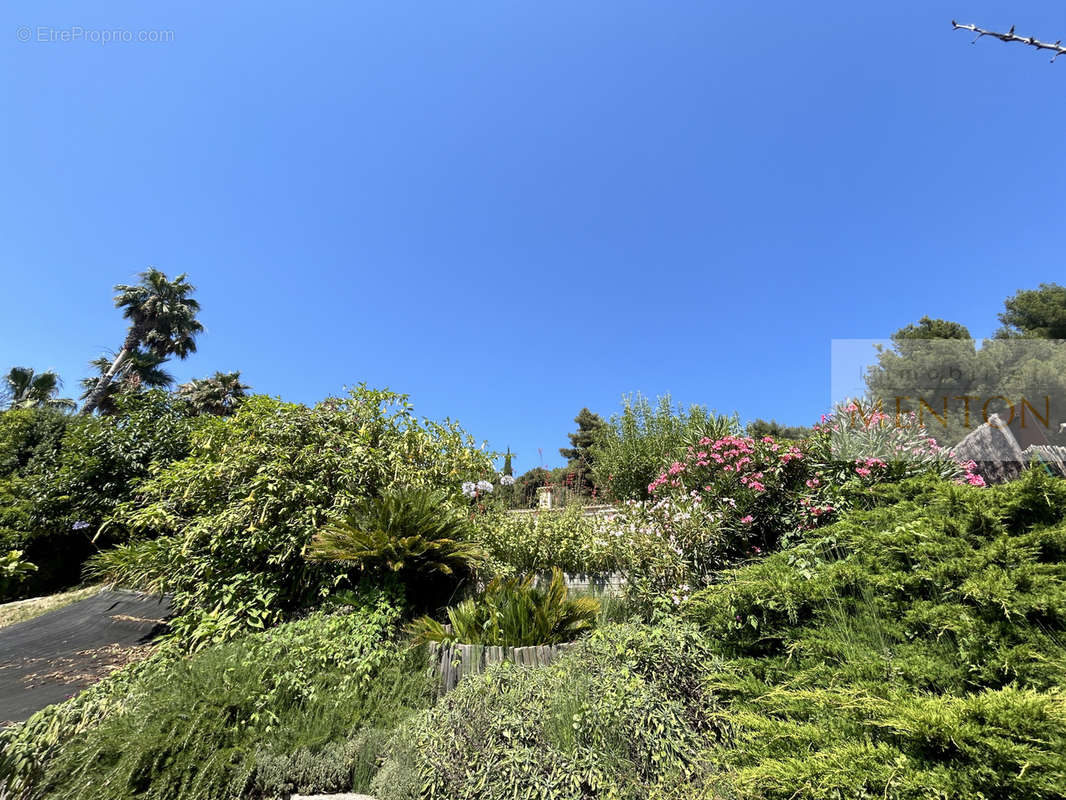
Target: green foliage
564 538
914 650
209 726
623 715
239 512
636 444
514 612
936 370
1037 312
580 455
29 437
74 473
759 428
929 328
13 570
412 533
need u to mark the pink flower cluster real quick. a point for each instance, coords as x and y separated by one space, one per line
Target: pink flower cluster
732 454
864 467
970 476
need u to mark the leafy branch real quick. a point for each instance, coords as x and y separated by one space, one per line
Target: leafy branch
1010 36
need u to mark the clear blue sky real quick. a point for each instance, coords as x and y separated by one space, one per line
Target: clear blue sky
513 210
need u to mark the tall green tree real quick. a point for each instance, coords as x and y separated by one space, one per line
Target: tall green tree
23 387
580 455
163 322
581 441
219 395
140 372
1035 313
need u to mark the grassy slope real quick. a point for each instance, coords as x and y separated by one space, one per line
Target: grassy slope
22 610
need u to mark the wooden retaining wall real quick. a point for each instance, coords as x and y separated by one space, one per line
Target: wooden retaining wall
453 662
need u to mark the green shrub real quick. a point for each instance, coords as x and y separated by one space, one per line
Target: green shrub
412 534
637 443
514 612
909 651
206 726
519 543
13 570
74 472
238 513
29 436
622 715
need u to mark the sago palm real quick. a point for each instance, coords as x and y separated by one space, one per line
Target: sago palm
163 322
514 612
25 388
413 532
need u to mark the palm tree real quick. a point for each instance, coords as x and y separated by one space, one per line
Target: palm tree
162 319
140 371
218 395
25 388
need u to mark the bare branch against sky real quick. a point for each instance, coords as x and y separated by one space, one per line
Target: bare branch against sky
1009 36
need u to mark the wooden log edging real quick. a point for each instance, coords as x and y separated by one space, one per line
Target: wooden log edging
453 662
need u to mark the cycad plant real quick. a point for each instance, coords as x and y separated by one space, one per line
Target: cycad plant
411 533
514 612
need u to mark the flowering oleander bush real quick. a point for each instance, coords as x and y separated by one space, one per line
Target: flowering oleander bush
751 488
863 440
739 497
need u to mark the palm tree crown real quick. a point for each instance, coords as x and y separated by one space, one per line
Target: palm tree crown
138 372
163 322
25 388
162 315
219 394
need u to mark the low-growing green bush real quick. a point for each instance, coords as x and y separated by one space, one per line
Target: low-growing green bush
210 725
514 612
623 715
913 650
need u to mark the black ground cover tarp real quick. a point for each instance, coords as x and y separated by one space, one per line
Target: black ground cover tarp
49 658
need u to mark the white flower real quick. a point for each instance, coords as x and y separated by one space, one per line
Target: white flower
484 486
507 480
470 489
